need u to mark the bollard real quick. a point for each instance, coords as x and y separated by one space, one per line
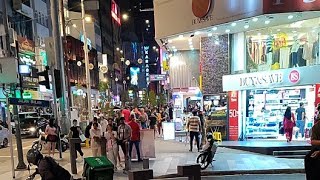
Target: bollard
145 174
193 172
127 165
103 145
145 164
87 143
73 154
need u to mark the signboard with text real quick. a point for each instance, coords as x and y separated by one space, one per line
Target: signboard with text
233 115
29 102
271 79
8 71
158 77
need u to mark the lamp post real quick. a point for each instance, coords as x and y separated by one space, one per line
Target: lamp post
86 59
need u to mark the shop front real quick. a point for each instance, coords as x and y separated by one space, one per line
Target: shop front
270 48
257 101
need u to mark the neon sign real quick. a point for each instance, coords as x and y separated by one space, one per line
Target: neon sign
115 12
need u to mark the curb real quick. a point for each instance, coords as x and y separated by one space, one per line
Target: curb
239 172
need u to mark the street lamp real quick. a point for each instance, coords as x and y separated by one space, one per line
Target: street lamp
125 17
127 62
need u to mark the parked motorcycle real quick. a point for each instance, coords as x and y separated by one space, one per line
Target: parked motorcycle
209 150
41 142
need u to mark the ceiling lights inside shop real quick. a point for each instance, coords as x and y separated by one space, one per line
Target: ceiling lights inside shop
283 21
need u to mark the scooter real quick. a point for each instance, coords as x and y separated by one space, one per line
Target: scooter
41 142
206 156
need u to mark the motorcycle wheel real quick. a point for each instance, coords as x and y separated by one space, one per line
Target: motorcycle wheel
37 146
202 159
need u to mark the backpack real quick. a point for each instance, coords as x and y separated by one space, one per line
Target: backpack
87 131
59 172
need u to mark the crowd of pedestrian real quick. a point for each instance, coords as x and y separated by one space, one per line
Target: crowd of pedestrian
121 131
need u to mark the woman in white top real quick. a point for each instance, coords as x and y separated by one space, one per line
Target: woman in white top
95 134
112 146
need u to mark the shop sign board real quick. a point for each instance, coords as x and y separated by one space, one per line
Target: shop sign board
8 70
233 115
25 45
281 6
272 79
29 102
158 77
317 92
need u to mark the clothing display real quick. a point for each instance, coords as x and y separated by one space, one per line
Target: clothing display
272 52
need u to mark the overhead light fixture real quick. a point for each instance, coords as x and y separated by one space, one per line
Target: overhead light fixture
192 49
210 34
191 46
190 42
197 33
246 26
147 21
255 19
227 30
173 47
267 21
169 41
175 50
214 28
74 25
180 36
290 16
154 47
259 34
278 30
233 24
216 42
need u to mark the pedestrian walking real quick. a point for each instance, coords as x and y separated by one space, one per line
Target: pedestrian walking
135 137
159 123
112 146
52 136
75 132
124 135
288 123
153 120
95 134
194 127
301 112
143 119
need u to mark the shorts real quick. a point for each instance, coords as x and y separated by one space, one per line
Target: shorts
52 138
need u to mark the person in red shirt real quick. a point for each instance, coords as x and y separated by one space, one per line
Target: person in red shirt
135 136
126 114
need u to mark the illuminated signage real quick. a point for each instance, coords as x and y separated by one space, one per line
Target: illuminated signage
27 59
264 79
146 60
89 43
115 12
134 72
158 77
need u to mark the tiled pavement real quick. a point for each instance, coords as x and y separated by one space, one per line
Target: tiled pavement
170 154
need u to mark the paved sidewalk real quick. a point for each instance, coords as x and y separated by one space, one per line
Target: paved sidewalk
170 154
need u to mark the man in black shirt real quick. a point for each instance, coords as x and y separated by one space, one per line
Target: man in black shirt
75 131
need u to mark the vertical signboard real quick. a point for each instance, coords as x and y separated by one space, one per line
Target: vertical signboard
317 92
233 115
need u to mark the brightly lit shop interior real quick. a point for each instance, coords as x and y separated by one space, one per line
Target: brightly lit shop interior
280 47
264 43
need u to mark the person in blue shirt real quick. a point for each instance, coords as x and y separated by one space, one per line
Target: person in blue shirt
300 123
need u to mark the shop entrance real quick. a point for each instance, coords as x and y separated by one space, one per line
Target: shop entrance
266 108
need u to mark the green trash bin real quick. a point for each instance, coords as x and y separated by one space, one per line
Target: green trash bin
98 168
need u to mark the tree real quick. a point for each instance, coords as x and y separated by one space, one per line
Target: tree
152 99
162 99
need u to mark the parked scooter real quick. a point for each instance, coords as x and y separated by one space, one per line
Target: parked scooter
209 150
42 143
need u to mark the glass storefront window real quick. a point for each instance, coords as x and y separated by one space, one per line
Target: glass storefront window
285 46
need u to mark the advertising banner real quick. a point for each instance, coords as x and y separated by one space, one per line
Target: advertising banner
317 93
281 6
233 115
8 71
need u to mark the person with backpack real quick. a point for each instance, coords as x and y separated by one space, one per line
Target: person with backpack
48 168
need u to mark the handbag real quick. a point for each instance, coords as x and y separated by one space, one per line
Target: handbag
82 137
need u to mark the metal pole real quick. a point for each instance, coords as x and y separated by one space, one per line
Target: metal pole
86 59
56 37
21 164
64 104
10 137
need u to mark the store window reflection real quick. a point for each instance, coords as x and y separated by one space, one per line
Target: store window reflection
285 46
